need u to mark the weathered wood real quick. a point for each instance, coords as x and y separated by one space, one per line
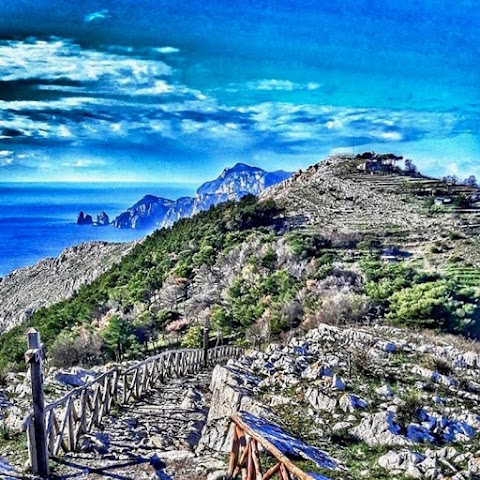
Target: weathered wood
234 453
34 358
256 460
32 450
60 441
284 472
71 426
290 467
250 466
271 471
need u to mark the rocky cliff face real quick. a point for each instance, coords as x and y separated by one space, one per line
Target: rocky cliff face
145 213
28 289
233 184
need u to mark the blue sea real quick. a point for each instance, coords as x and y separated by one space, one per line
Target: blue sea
38 220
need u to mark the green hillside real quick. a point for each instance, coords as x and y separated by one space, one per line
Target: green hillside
261 269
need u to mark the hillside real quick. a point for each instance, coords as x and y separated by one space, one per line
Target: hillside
312 250
341 282
28 289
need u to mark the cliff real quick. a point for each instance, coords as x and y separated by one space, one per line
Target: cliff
28 289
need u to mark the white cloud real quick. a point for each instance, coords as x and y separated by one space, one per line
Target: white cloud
166 50
286 85
6 158
83 163
97 16
63 60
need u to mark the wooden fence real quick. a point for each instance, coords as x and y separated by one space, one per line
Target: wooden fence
248 441
83 409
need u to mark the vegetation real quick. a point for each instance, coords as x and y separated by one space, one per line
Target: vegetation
126 287
266 281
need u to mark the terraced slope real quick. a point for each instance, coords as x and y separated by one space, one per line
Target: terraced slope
328 195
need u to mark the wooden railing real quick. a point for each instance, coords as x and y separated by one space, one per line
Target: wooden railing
252 434
84 408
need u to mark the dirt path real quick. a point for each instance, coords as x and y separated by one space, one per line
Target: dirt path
153 439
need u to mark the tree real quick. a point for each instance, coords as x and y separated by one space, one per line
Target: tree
440 304
462 201
146 328
117 336
370 243
193 338
410 167
452 179
471 181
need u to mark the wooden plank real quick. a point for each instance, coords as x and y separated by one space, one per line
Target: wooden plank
60 441
32 450
82 423
34 359
234 452
256 460
71 426
50 431
250 466
284 475
272 471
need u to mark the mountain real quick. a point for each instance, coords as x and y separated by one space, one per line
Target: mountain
232 184
329 243
145 213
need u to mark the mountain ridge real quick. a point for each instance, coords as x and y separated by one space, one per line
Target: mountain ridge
232 184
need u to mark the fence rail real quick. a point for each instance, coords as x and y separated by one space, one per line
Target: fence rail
252 435
84 408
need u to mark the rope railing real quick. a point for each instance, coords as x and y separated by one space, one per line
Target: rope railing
82 410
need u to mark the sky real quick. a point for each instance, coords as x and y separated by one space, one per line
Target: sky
175 90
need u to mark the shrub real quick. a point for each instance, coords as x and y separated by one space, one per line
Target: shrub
439 304
193 338
407 411
81 348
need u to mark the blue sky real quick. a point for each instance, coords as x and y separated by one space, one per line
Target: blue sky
161 90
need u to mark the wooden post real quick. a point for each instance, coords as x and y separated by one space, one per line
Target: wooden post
34 358
205 346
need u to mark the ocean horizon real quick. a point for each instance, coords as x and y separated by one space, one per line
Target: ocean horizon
38 220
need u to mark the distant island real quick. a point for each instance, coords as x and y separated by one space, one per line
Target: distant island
152 211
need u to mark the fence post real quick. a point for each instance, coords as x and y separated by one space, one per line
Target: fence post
34 358
205 346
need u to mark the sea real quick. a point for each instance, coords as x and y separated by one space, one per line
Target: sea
38 220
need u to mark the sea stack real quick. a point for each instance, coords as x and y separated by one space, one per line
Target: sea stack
84 219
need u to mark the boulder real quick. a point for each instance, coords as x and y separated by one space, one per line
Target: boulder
379 429
232 390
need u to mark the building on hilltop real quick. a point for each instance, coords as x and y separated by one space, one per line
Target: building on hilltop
379 164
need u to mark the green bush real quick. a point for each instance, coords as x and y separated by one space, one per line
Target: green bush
193 338
440 305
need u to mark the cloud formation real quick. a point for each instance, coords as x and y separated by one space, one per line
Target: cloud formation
121 97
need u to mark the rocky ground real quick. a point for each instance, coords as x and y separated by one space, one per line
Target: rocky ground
380 402
384 403
154 438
